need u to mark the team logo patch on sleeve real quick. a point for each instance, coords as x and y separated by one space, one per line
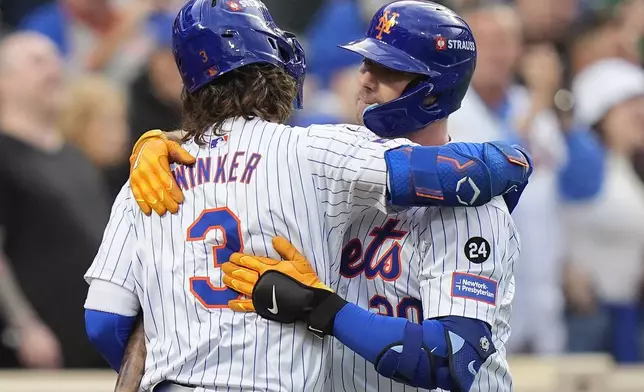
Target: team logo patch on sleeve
474 287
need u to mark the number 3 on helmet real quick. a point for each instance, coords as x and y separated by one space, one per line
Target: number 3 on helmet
211 38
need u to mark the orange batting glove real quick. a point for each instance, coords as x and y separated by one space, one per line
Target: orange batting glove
243 271
151 181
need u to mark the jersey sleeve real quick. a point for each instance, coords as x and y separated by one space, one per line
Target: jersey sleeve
116 254
349 170
467 268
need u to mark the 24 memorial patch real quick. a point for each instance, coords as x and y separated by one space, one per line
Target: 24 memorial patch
477 250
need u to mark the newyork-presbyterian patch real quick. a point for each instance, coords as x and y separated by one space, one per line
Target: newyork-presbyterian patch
474 287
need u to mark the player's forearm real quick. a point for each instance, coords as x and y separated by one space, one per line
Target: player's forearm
133 364
109 333
455 174
366 333
428 355
14 306
371 336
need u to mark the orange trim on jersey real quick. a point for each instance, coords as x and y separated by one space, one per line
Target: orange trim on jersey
213 288
215 248
418 311
455 162
420 194
216 264
518 161
379 309
390 263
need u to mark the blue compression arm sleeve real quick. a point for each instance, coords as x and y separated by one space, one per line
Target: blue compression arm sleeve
457 174
583 175
109 333
417 355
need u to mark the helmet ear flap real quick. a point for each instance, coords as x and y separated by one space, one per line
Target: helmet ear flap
403 115
430 100
288 48
284 54
414 83
273 43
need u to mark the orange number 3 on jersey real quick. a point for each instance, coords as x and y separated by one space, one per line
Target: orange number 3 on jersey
216 219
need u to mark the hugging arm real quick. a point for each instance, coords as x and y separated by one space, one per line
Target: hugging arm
376 171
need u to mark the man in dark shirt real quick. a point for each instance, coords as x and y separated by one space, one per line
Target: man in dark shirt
155 96
53 209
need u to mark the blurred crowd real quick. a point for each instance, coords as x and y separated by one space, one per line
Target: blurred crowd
81 80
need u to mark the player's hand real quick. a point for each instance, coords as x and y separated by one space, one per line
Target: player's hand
243 271
284 291
542 71
38 347
151 181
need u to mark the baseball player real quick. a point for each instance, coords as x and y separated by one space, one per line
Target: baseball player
253 179
445 274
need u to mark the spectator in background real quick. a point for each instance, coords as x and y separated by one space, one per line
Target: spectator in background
547 20
596 36
629 16
332 71
632 17
94 120
492 110
294 15
606 250
155 95
13 11
497 108
52 213
96 35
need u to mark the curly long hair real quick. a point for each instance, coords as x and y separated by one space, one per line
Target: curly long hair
255 90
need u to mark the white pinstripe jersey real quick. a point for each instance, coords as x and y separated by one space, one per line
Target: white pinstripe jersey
424 263
259 180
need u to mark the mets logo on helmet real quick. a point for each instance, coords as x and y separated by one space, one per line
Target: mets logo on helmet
386 23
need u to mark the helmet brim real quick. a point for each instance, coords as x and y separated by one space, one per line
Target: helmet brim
388 56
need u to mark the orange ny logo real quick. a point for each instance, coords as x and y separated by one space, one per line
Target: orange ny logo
386 23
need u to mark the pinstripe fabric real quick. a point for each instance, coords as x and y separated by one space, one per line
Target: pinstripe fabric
324 189
307 185
432 250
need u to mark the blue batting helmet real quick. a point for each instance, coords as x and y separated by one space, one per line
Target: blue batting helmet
423 38
213 37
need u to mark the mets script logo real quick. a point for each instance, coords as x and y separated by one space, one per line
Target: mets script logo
373 260
386 23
